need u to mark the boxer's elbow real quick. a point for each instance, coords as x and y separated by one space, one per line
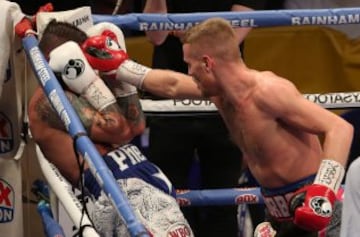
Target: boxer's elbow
343 128
348 130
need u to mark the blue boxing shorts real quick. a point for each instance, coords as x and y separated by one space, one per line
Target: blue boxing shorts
278 212
149 192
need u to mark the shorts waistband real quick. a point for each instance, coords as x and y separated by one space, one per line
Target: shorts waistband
288 188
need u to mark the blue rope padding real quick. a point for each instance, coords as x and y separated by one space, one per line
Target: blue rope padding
182 21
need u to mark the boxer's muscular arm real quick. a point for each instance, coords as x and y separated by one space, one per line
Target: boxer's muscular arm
171 84
56 144
164 83
161 82
293 109
108 126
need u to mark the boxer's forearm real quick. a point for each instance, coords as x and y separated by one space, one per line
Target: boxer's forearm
171 84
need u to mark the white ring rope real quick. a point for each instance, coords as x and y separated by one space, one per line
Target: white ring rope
64 192
332 100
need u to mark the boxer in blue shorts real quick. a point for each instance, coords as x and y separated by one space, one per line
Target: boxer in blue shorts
295 149
279 213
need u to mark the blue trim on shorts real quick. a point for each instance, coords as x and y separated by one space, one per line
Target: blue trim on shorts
288 188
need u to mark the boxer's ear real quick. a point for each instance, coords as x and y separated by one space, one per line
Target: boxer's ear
207 63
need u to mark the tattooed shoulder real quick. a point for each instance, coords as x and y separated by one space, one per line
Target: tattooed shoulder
84 110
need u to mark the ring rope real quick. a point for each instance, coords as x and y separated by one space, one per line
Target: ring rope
219 197
332 100
265 18
65 194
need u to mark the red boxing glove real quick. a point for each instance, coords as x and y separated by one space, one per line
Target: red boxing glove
121 68
313 207
103 52
24 27
27 24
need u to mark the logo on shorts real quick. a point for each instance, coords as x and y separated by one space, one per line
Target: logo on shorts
6 134
321 206
179 230
7 202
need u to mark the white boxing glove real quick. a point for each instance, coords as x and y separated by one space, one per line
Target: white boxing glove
77 74
128 71
132 73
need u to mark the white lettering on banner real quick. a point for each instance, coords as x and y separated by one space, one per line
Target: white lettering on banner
6 134
278 205
5 146
81 20
148 26
334 98
188 102
243 23
7 202
39 65
6 215
326 20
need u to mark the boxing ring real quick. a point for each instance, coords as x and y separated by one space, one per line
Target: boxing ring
84 145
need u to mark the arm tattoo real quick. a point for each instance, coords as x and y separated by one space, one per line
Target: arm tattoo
84 110
48 114
131 108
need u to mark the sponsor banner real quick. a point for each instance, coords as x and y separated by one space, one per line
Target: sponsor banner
11 220
80 17
185 105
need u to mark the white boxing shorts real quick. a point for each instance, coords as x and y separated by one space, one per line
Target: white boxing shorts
157 211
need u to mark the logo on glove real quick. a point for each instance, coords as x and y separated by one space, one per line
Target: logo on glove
321 206
74 68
